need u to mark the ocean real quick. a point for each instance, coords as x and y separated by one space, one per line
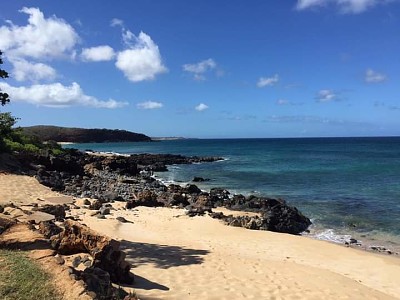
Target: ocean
348 187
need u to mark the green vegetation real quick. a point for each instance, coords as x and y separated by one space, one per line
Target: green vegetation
4 98
21 278
82 135
13 139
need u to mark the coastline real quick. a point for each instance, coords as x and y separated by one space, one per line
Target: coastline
346 239
178 257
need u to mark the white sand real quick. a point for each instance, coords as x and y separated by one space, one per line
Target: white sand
177 257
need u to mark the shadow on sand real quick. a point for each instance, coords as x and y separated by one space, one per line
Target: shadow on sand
161 256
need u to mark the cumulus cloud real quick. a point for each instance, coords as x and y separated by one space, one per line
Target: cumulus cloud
57 95
326 96
24 71
40 38
149 105
99 53
344 6
142 61
199 69
201 107
268 81
374 77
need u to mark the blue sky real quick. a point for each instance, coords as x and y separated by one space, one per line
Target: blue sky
207 69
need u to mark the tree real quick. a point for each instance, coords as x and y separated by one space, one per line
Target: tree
4 98
7 121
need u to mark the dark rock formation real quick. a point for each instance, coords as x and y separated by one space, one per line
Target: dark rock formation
200 179
98 281
58 211
6 223
77 238
49 229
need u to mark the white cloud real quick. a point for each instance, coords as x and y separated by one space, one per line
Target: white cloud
24 70
201 107
149 105
116 22
57 95
282 102
40 38
287 102
142 61
326 96
374 77
99 53
199 69
268 81
304 4
344 6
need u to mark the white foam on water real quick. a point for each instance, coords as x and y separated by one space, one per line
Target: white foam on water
330 236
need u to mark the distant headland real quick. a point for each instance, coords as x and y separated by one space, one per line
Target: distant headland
82 135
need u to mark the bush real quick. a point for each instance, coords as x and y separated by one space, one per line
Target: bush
31 148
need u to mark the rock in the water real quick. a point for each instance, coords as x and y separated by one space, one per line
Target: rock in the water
286 219
200 179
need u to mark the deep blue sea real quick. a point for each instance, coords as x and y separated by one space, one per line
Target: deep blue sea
347 186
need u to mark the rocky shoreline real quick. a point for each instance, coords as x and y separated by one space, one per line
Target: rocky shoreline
112 188
109 177
112 178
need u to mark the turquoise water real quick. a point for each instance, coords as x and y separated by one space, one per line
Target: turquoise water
345 185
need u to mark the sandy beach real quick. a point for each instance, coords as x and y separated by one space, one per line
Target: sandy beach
177 257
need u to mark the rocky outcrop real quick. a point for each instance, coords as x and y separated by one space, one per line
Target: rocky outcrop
77 238
58 211
6 223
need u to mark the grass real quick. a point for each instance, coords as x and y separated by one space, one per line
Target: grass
23 279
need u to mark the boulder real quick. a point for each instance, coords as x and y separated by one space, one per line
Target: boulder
200 179
6 223
51 179
191 189
58 211
49 229
284 218
98 281
145 198
77 238
96 205
178 199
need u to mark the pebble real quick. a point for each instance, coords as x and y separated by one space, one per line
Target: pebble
60 260
76 261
